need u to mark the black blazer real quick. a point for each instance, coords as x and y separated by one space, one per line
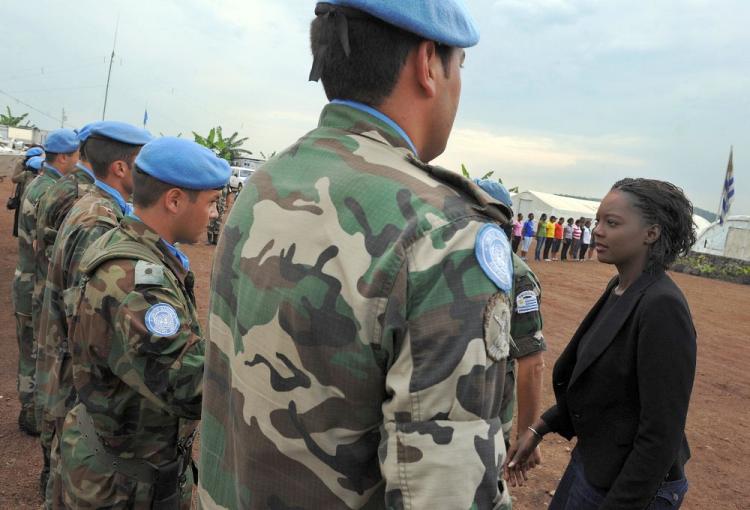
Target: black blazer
627 398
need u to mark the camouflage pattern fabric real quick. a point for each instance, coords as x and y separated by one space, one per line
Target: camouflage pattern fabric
526 331
356 353
22 289
91 217
142 390
214 226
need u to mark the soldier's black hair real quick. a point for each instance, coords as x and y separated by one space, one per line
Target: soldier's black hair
102 152
147 190
50 157
664 204
378 53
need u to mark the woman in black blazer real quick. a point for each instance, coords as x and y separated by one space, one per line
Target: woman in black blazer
623 383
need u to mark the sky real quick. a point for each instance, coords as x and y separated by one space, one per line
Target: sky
562 96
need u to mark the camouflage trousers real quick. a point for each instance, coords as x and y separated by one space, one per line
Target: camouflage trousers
213 231
53 495
26 379
88 482
506 417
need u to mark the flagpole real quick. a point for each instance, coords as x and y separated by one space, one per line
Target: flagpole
720 214
109 73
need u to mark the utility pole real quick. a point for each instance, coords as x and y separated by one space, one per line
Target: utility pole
109 73
63 118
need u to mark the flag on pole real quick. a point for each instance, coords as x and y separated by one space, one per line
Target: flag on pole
727 192
145 117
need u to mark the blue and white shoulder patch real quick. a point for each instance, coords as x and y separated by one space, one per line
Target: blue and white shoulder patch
162 320
527 302
493 252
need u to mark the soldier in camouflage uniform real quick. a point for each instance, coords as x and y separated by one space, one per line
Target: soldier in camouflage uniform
214 226
51 211
526 348
23 174
138 350
61 155
110 148
360 305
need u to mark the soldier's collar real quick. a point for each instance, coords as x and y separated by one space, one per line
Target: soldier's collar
52 171
80 166
364 120
139 231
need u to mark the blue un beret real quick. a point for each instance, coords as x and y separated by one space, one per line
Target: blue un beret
496 190
61 141
34 151
120 132
445 21
85 131
35 162
183 163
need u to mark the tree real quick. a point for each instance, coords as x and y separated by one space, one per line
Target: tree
226 148
8 119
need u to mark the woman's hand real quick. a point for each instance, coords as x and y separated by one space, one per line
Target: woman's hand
523 456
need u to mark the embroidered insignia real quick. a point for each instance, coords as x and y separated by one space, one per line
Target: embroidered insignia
497 327
493 252
162 320
526 302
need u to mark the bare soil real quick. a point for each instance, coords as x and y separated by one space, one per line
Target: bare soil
717 424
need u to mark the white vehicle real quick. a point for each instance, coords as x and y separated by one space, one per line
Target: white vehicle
239 177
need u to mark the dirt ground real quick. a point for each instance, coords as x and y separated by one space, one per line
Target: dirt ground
717 424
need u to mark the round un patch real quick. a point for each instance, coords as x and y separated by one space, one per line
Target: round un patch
162 320
493 252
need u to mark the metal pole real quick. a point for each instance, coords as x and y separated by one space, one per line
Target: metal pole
109 73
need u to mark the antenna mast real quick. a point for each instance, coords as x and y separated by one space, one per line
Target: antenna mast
109 73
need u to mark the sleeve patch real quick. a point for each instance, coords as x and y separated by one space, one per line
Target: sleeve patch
162 320
493 253
147 273
526 302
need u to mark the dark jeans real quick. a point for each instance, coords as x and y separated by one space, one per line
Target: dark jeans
584 248
575 493
565 248
547 246
516 242
556 246
539 247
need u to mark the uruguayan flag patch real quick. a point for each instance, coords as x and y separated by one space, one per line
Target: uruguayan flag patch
162 320
526 302
493 252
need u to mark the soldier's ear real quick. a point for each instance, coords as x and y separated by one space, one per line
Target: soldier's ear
173 200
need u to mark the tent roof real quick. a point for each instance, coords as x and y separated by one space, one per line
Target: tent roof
586 207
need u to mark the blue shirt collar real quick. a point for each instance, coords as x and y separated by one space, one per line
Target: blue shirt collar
83 167
126 207
379 115
184 260
51 169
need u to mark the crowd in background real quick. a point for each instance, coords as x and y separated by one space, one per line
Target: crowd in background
570 239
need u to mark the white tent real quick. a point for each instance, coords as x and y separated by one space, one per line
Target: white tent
732 239
553 205
701 224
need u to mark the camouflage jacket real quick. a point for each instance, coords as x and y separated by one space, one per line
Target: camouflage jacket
51 212
356 354
526 322
91 217
23 280
137 371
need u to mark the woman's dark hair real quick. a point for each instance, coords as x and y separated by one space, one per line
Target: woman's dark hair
664 204
378 52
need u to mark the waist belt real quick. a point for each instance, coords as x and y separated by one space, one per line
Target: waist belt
167 478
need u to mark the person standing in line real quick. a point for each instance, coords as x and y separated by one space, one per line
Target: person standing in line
585 239
528 236
353 280
138 347
550 236
541 236
517 232
110 149
557 243
575 247
22 175
622 385
567 239
592 246
61 155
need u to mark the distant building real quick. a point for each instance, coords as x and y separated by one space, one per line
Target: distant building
251 163
538 202
17 137
731 240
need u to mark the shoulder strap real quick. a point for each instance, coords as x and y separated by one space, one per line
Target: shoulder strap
124 249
